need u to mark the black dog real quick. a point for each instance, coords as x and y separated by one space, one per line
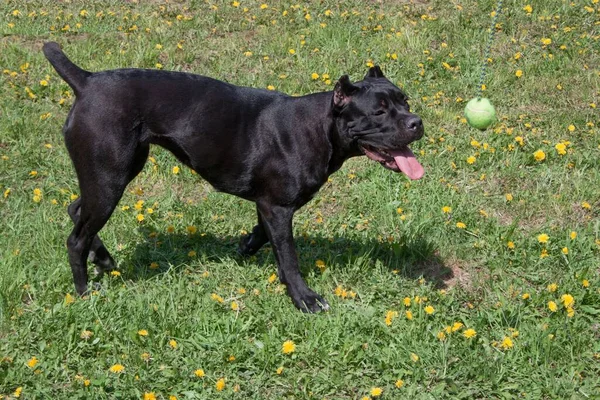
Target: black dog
263 146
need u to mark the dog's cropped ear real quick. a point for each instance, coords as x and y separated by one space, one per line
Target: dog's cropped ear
343 91
375 72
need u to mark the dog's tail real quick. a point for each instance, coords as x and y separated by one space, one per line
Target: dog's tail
71 73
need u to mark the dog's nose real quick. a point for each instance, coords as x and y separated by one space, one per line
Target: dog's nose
414 125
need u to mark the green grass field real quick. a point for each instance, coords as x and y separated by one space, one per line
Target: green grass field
480 281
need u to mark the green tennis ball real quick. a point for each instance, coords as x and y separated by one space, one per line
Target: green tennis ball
480 113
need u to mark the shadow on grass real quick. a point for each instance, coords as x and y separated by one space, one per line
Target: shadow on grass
409 258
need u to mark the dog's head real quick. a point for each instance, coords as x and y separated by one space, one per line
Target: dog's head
374 114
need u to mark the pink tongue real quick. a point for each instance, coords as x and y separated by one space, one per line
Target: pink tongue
407 162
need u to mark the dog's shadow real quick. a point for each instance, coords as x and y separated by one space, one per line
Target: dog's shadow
411 259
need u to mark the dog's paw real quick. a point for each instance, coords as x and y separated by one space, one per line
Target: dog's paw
249 245
309 302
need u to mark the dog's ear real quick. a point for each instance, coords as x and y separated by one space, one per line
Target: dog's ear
343 91
375 72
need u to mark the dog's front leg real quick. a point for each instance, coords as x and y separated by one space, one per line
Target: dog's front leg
277 221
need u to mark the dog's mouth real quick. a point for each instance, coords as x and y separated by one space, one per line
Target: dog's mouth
398 160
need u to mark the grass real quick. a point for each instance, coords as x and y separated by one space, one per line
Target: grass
380 240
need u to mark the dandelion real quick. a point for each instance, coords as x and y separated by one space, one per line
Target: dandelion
86 335
471 160
376 392
414 357
586 205
18 391
565 250
235 306
525 296
570 312
69 299
199 373
567 300
518 73
528 9
546 41
279 370
216 298
288 347
539 155
552 287
441 336
469 333
115 273
510 245
446 209
173 344
176 170
585 283
571 128
552 306
406 301
33 361
272 278
292 51
409 315
140 217
220 385
321 265
149 396
507 343
117 369
142 332
429 310
543 238
461 225
399 383
191 229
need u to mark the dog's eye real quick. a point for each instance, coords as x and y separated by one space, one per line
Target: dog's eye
379 112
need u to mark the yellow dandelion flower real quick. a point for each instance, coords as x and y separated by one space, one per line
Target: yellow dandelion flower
510 245
518 73
220 385
471 160
429 310
461 225
176 170
507 343
279 370
457 326
149 396
408 314
292 51
272 278
173 343
552 287
570 312
585 283
376 392
528 9
216 298
399 383
117 369
543 238
446 209
539 155
33 361
199 373
115 273
414 357
69 299
235 306
406 301
526 296
288 347
567 300
469 333
552 306
571 128
546 41
586 205
565 250
441 336
140 217
142 332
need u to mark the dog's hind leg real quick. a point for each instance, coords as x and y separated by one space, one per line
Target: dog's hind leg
105 164
98 254
251 243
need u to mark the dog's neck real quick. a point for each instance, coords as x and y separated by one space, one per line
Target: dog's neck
342 147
